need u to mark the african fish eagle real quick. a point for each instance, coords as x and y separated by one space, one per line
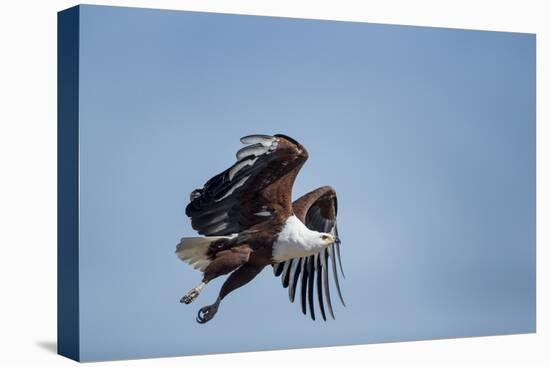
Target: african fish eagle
249 221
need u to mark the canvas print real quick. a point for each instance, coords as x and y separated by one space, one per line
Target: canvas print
232 183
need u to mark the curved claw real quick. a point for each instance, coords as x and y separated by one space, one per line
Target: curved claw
207 313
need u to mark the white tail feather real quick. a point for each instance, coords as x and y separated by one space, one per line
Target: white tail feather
193 250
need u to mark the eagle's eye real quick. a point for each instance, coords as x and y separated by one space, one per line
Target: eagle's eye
324 237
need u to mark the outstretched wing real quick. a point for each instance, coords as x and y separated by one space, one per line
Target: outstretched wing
317 210
256 188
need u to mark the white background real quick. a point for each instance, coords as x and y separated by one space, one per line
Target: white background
28 181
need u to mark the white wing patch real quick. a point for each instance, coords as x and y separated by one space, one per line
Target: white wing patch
234 187
254 149
239 166
266 140
260 145
263 214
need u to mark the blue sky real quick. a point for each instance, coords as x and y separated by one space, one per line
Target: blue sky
427 134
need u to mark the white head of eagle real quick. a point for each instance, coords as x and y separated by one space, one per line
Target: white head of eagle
248 221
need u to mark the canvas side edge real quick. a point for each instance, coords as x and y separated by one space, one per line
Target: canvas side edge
68 330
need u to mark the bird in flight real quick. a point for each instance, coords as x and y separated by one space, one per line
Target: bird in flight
248 221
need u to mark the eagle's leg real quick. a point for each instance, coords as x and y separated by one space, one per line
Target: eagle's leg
193 293
237 279
224 262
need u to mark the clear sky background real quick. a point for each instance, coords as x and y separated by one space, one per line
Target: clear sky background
427 134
